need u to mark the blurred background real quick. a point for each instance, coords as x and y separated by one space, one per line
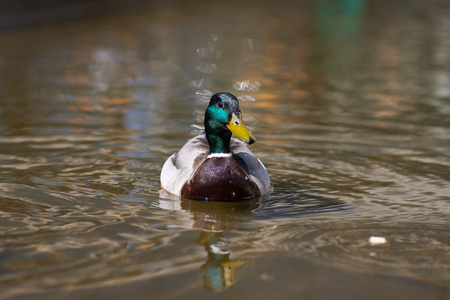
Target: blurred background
349 104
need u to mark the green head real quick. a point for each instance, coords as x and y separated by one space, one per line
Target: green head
222 118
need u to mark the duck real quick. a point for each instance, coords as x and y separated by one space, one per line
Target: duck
214 166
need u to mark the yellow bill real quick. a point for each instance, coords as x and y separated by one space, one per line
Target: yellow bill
237 127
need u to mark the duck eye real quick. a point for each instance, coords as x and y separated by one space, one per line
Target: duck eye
219 104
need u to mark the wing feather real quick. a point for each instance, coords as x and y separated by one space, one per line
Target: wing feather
179 167
251 165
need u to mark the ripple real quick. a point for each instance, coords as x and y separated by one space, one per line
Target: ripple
415 250
292 205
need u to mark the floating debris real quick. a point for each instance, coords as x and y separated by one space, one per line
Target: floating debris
377 240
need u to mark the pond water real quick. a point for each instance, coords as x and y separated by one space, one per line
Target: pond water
348 101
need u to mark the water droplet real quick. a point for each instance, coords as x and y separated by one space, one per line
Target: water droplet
206 68
247 85
214 37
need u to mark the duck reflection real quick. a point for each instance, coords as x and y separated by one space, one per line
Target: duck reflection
218 273
217 216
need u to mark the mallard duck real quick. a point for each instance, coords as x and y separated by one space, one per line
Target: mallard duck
213 166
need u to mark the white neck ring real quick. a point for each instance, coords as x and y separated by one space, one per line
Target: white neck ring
219 155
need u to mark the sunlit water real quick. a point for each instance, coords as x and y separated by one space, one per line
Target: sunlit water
348 101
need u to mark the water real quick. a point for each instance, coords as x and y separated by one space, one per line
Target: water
348 101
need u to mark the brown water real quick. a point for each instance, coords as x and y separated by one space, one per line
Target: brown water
348 101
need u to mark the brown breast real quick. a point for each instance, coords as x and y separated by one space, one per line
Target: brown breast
219 179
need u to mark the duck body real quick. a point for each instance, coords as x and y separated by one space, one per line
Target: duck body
213 166
193 173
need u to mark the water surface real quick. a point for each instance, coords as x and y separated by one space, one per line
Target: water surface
348 101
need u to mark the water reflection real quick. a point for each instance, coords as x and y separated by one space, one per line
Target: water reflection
218 272
214 218
339 18
351 115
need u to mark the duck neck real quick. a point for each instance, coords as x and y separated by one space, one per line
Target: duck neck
219 143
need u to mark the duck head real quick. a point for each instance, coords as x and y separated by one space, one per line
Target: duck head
222 119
